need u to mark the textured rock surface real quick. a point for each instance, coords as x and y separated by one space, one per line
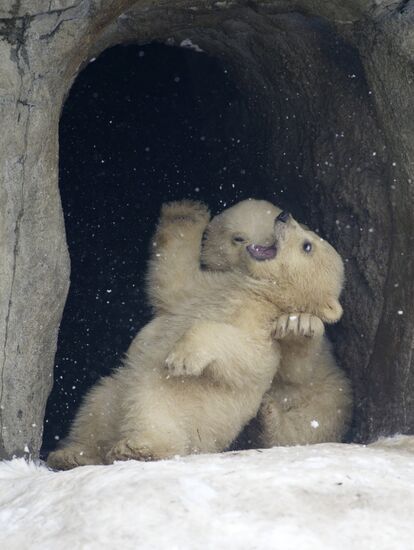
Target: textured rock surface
329 88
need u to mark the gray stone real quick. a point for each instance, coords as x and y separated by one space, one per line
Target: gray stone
342 146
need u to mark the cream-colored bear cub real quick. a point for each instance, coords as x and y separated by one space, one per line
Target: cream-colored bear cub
310 400
196 374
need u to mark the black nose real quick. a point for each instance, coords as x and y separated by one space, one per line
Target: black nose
283 216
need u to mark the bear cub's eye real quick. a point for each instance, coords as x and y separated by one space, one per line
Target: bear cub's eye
238 239
307 246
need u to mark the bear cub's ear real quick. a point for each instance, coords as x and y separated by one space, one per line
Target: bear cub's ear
331 311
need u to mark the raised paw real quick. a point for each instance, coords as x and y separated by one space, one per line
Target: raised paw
182 361
186 211
298 325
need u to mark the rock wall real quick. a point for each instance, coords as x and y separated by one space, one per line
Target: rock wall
330 94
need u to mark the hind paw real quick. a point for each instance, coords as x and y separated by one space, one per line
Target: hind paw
66 459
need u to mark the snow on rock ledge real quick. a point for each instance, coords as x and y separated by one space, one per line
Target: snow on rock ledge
327 496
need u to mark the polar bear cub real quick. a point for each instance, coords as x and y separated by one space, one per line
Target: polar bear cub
196 374
310 400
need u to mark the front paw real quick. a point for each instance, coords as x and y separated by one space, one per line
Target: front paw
184 362
130 449
185 211
298 325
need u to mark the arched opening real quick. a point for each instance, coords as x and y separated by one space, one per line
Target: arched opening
147 124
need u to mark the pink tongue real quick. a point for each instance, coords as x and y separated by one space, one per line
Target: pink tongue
262 252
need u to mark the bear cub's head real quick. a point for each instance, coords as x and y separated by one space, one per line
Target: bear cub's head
246 223
258 240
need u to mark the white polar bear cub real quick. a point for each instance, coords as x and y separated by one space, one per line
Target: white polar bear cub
196 374
310 400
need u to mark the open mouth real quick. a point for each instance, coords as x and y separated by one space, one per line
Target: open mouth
261 253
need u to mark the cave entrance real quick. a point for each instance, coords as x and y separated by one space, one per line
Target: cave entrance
327 100
271 107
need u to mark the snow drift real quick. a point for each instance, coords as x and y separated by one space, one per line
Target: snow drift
329 496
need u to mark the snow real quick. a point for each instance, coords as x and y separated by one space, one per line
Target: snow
319 497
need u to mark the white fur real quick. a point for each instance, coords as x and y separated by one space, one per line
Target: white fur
310 400
196 374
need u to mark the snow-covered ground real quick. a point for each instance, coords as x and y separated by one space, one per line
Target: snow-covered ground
318 497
